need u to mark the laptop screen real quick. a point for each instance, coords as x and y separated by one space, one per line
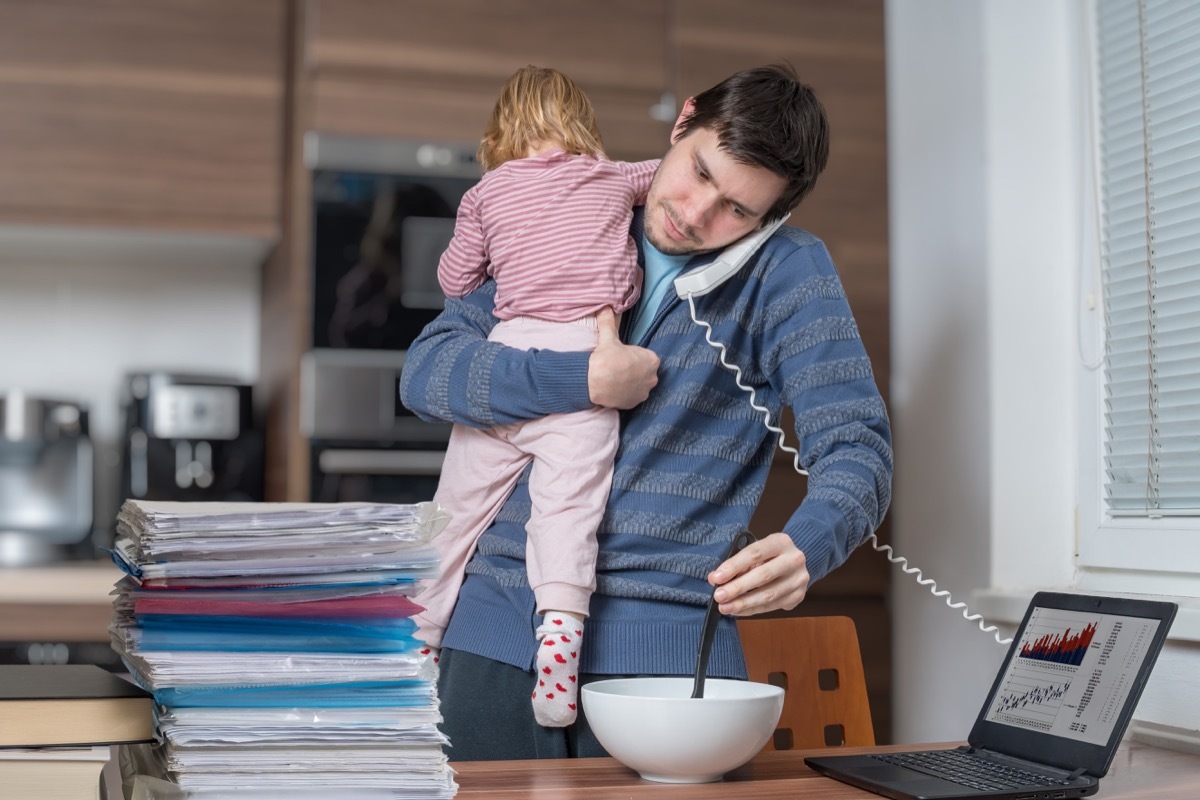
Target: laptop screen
1072 678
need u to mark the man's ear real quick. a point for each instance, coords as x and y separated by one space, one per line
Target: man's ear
689 107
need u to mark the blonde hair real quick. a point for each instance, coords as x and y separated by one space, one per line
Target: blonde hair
539 105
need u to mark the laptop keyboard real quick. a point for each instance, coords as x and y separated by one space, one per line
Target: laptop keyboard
968 770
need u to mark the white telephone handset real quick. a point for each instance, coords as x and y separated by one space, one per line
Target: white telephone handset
726 265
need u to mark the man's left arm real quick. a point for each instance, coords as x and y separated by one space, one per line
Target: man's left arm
812 355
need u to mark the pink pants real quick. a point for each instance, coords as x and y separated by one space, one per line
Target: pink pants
572 457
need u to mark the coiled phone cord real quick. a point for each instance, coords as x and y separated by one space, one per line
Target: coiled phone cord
886 549
902 562
737 378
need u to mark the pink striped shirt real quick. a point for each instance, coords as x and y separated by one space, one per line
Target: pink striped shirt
553 230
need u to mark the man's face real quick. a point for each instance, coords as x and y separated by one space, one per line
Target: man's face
701 199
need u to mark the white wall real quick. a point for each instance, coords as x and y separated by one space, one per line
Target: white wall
78 310
988 188
940 377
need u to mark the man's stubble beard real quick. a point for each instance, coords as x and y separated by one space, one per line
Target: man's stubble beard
666 246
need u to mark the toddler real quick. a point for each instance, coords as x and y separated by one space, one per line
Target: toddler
549 222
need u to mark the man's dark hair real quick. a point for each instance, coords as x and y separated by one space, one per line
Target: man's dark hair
767 118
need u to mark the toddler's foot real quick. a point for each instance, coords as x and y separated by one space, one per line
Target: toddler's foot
428 668
557 691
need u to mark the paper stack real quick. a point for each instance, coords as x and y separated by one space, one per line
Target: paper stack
278 642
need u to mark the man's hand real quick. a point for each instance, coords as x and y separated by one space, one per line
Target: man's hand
769 575
619 375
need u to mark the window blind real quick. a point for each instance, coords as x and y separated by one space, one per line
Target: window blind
1148 83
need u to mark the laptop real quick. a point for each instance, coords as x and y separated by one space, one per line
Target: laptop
1055 714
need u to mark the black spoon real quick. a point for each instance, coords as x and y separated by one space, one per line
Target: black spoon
710 619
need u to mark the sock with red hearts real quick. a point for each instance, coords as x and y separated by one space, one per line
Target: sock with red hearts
427 664
557 691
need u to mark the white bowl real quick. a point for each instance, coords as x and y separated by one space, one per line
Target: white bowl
653 726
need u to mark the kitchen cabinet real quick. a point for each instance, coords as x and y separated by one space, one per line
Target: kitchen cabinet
432 70
159 114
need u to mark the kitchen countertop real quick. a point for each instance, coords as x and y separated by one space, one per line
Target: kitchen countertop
67 602
1139 771
68 583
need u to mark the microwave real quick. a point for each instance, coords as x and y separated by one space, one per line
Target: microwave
383 213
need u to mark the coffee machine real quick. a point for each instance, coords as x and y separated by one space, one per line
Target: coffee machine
46 468
189 438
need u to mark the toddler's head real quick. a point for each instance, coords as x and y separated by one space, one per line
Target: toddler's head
539 106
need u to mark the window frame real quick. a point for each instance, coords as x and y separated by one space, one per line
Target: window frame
1112 552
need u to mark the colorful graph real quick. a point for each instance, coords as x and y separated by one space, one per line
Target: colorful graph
1063 648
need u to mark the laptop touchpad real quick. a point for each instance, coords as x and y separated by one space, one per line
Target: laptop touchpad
915 783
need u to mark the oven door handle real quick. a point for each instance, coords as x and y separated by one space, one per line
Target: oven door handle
381 462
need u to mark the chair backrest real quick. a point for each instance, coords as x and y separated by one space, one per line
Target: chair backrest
818 663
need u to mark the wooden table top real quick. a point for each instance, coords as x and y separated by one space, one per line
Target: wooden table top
1138 771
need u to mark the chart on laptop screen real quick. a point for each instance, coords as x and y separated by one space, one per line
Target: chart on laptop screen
1072 672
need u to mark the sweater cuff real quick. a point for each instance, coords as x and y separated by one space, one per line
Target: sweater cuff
817 545
562 381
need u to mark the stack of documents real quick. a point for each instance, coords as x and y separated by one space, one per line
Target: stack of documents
278 641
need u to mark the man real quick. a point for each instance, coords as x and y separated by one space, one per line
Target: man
693 456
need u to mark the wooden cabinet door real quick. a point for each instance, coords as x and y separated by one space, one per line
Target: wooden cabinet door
838 49
142 113
433 70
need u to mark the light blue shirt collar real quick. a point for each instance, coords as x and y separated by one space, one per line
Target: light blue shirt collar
661 271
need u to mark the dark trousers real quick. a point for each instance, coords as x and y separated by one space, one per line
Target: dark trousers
488 716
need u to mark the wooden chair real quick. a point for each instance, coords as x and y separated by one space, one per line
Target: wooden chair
818 663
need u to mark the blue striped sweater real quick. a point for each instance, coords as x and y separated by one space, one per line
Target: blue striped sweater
693 458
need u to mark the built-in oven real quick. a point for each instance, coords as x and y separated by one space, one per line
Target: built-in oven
383 213
366 446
